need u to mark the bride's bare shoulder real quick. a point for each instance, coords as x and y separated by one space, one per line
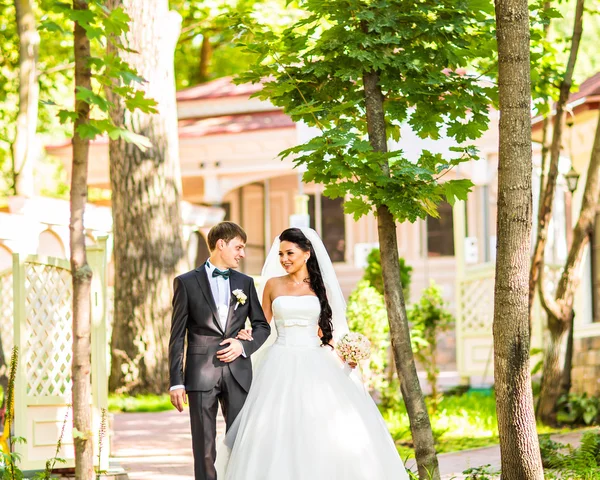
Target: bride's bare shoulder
273 281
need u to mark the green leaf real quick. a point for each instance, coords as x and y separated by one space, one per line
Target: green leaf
88 131
65 116
357 207
143 143
456 189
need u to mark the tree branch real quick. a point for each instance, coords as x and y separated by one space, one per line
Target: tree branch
546 205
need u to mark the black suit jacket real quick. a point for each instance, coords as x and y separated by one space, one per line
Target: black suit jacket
195 315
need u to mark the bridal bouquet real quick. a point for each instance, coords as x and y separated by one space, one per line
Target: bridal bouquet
354 347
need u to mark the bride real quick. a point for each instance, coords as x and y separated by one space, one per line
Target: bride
306 417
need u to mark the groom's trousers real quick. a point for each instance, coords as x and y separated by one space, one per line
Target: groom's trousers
203 415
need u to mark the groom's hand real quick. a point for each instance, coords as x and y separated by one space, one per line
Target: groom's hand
178 398
233 351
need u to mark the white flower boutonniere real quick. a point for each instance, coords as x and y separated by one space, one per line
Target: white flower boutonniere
240 296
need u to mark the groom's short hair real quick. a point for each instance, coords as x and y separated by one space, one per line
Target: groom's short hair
225 231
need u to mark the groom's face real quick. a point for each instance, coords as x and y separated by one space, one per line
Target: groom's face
232 252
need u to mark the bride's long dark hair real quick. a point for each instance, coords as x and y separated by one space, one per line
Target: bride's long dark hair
295 235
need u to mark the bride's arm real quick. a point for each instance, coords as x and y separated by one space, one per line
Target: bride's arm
267 300
267 310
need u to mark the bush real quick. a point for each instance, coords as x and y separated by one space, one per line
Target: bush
428 319
367 314
581 463
374 276
578 410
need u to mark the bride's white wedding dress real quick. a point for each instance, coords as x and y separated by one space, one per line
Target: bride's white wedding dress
305 418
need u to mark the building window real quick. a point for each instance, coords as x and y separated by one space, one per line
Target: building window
333 225
440 233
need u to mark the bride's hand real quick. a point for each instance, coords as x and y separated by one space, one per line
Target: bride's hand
245 335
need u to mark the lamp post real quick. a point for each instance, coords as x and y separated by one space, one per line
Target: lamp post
572 178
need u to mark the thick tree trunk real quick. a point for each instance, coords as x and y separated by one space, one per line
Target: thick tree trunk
519 447
545 212
24 145
81 272
146 193
394 299
559 309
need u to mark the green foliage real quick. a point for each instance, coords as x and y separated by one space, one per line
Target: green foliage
578 410
461 422
54 78
428 318
567 462
9 469
314 71
374 276
366 314
211 20
109 71
483 472
54 22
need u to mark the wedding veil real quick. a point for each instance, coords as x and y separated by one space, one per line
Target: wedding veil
272 268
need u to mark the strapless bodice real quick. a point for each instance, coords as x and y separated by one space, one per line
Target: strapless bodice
297 320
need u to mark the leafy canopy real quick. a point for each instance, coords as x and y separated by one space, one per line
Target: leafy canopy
109 71
423 53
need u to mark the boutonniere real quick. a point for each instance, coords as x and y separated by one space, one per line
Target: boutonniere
240 296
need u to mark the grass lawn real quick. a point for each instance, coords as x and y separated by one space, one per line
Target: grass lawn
139 403
462 422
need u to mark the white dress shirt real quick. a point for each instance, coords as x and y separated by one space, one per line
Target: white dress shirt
221 292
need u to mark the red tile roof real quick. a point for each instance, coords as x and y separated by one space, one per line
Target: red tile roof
588 88
221 87
201 127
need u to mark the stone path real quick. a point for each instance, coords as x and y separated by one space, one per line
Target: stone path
157 446
154 446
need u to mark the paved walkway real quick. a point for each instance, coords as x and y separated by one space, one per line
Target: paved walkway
157 446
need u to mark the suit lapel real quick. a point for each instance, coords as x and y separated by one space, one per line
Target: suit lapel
235 282
202 278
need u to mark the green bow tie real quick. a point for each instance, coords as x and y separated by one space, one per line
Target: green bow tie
222 273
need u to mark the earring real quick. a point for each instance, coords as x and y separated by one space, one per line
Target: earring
305 260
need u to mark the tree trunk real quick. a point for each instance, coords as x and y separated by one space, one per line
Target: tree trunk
519 447
146 194
545 212
205 57
394 299
565 384
81 272
23 149
559 309
551 376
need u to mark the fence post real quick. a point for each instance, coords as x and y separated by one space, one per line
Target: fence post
459 225
19 319
96 256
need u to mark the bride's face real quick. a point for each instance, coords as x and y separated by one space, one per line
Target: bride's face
291 257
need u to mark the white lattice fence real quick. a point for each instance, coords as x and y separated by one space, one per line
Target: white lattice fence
47 336
475 316
43 331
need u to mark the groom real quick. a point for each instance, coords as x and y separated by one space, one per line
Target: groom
210 306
